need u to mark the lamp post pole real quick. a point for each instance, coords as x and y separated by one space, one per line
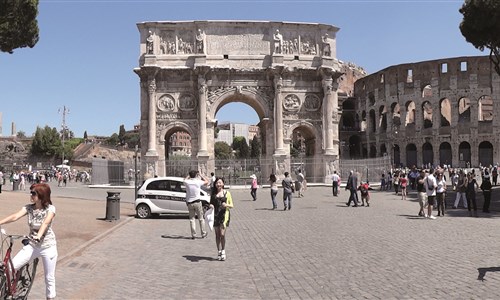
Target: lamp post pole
64 111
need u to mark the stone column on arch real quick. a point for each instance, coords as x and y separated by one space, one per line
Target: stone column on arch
152 115
330 110
278 115
202 113
150 159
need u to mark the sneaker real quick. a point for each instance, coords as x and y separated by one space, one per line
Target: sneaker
223 255
432 217
425 216
219 256
204 235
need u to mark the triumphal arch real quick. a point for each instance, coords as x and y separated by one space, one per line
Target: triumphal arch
287 72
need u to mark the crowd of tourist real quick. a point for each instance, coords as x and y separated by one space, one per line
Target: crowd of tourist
61 175
432 185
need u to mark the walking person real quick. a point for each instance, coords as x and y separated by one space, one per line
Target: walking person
22 182
395 181
274 190
364 189
221 201
193 182
288 190
430 184
382 182
352 186
486 188
461 189
440 194
253 187
335 183
1 181
301 180
43 243
471 193
422 196
494 173
404 183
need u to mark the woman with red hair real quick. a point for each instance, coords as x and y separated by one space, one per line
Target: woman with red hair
43 244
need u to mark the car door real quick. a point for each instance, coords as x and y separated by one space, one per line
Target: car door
178 193
158 193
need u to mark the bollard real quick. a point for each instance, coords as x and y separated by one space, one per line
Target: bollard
113 206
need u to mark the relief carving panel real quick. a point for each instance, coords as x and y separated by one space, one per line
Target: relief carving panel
312 102
291 103
166 103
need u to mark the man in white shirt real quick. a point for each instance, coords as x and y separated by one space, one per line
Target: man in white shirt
430 184
335 183
193 185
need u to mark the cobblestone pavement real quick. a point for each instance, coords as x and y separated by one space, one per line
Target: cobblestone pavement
320 249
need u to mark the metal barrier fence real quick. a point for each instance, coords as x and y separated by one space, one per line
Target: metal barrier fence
238 171
114 172
370 169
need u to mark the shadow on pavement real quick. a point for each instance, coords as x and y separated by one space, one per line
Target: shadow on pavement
176 237
483 271
193 258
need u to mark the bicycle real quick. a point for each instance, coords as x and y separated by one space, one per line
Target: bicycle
15 285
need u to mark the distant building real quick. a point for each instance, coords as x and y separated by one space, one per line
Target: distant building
180 144
253 131
228 131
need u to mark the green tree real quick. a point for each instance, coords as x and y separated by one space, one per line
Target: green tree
21 134
18 24
132 139
241 147
113 140
255 147
46 142
121 134
481 27
222 150
69 147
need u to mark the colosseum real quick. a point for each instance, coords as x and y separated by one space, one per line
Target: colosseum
438 112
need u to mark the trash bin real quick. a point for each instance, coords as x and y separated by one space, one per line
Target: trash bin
113 206
15 185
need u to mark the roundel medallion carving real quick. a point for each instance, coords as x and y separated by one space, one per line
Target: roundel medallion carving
312 102
166 103
291 102
186 102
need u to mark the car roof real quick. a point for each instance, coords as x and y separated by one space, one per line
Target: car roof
166 178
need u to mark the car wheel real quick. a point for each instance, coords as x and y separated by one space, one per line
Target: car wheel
143 211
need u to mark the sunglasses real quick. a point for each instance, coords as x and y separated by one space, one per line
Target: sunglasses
33 193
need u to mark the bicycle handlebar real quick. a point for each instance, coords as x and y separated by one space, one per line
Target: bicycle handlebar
18 236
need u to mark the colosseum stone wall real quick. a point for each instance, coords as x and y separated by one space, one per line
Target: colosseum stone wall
427 113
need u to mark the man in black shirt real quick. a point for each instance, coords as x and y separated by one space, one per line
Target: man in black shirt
422 195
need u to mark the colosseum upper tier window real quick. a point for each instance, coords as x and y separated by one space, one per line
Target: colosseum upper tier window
445 112
427 114
464 110
409 76
410 113
485 109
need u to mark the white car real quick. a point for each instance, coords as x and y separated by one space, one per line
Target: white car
163 195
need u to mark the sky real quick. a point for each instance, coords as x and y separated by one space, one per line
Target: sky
88 49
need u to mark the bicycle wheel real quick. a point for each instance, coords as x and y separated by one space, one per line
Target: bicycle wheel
25 281
3 287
